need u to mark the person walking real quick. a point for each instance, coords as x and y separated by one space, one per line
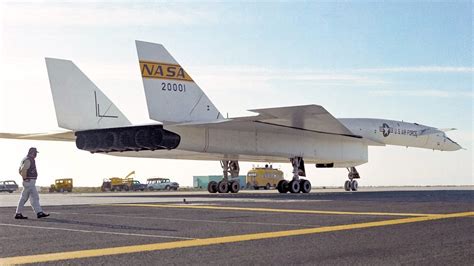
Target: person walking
29 174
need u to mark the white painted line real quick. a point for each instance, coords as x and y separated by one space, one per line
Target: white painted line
95 232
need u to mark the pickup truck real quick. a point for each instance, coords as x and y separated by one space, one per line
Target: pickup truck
8 185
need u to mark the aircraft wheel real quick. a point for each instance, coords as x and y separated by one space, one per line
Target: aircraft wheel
294 186
354 185
234 187
305 186
282 186
212 187
223 187
347 185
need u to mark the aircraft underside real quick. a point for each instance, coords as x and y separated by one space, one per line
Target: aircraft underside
191 155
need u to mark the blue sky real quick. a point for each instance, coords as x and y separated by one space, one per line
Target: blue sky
400 60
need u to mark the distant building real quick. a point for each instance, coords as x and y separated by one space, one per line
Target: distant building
202 180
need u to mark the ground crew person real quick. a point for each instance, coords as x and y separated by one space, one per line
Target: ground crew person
29 174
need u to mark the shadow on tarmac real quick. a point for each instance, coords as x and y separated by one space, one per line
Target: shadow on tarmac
104 225
392 196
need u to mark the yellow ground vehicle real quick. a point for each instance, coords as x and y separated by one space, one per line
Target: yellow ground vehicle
61 185
119 184
263 177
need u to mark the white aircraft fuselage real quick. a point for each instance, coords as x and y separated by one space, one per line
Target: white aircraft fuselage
399 133
263 145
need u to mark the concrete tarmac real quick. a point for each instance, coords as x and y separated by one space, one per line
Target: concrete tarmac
425 226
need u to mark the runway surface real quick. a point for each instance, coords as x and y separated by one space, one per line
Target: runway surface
427 226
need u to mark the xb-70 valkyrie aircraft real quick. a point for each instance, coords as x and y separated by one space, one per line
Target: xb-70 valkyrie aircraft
192 128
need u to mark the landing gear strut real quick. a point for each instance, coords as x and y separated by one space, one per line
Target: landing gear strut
226 185
296 185
351 184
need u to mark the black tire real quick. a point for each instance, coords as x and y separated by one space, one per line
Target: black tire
234 186
167 188
256 187
223 187
354 185
212 187
282 186
347 185
294 186
267 186
305 186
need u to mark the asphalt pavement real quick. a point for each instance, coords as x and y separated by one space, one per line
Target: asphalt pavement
378 227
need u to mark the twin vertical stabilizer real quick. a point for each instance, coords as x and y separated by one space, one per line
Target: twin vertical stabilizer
79 103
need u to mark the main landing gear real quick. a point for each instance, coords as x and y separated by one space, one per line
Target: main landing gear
351 184
296 185
226 185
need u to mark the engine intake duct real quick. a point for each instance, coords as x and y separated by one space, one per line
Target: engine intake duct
127 139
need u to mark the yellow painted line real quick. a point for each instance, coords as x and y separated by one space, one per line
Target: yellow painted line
214 241
270 210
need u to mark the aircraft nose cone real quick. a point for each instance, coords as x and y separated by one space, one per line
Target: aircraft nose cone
452 146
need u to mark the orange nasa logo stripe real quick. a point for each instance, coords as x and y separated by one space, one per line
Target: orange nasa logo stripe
163 71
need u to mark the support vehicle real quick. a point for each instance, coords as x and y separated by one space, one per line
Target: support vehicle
161 184
264 177
62 185
8 186
127 183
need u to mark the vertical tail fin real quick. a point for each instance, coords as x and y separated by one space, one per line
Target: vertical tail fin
172 96
79 104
